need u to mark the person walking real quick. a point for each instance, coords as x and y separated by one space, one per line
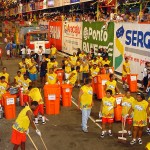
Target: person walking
85 102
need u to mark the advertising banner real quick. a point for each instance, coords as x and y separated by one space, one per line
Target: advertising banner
132 41
44 25
72 36
66 2
74 1
55 30
58 3
96 35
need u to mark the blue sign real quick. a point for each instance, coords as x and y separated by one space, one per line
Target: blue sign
74 1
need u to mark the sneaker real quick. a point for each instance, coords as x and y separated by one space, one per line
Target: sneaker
148 133
110 134
44 122
79 85
85 130
133 142
147 130
140 141
102 135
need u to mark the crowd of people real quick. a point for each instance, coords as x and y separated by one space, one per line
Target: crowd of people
79 70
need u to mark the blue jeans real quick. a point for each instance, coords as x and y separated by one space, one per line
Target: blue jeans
85 115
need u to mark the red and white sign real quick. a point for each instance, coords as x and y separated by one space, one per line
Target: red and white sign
72 36
55 30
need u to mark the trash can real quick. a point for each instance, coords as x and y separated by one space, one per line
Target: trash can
132 82
100 85
52 98
60 75
66 90
118 109
9 105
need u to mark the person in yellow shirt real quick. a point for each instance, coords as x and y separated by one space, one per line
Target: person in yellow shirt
5 74
85 103
140 109
52 64
3 87
79 63
73 76
126 104
22 66
107 112
21 126
94 61
18 79
32 71
27 60
125 71
82 55
85 70
51 77
105 61
26 82
67 67
100 59
73 60
94 71
53 51
112 84
35 95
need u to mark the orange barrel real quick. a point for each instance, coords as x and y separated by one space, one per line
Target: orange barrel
66 90
9 106
60 75
132 81
25 98
21 97
52 98
118 109
100 86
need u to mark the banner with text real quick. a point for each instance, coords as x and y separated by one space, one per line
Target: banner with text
72 36
55 30
132 41
97 35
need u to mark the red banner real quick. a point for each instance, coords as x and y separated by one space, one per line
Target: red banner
55 30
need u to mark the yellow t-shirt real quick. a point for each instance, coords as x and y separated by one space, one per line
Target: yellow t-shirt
23 68
35 95
67 67
22 122
33 70
52 64
19 79
127 104
107 103
86 97
3 87
6 75
94 62
111 86
53 51
47 59
105 62
100 59
127 66
85 68
27 61
51 78
82 56
25 84
73 60
94 72
73 78
139 113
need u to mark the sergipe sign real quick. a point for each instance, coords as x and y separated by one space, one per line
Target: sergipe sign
132 41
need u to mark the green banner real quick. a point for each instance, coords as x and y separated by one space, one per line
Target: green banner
97 35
